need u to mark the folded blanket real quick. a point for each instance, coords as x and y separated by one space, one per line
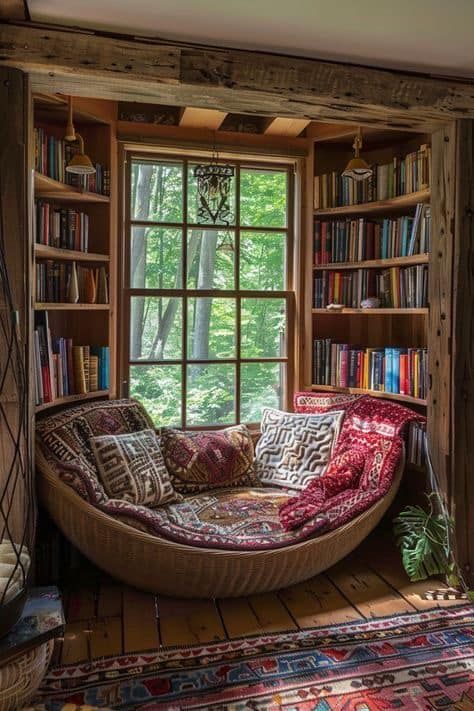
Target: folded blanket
365 460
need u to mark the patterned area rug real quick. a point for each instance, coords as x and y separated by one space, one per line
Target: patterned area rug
419 662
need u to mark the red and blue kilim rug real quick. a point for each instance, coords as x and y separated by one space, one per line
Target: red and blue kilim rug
417 662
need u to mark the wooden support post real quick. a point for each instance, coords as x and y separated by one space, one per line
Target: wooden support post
440 301
451 329
462 489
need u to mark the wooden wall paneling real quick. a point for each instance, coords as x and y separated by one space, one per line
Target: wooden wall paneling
230 80
462 403
15 186
440 300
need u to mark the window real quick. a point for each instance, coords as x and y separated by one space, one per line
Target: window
207 308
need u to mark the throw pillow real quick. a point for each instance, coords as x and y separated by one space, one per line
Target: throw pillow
131 468
295 448
198 461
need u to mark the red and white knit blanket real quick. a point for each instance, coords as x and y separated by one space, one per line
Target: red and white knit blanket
364 462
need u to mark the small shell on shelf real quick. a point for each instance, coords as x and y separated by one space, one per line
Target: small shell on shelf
371 303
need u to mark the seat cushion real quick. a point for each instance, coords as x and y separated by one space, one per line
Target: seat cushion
233 519
201 461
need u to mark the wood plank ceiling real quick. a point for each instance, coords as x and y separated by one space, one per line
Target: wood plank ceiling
210 119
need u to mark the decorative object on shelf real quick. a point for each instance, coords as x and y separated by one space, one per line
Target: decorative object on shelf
335 307
371 303
214 182
357 168
80 163
17 506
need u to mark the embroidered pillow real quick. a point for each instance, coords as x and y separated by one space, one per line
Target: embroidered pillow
199 461
295 448
131 468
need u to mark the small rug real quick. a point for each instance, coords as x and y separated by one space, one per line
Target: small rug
419 662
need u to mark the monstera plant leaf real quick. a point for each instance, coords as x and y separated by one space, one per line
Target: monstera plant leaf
423 539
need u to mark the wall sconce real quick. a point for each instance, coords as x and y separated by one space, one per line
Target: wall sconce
357 168
80 163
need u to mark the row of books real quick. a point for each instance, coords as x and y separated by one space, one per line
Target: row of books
397 287
61 227
62 368
67 282
401 176
360 239
53 154
391 370
416 444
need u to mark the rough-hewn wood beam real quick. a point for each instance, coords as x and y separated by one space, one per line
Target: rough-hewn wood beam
280 126
202 118
230 80
13 10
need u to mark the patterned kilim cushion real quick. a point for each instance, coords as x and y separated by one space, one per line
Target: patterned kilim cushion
131 468
294 449
199 461
64 439
234 519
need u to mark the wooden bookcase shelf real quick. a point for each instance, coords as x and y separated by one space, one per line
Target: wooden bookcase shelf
47 188
375 263
71 399
400 203
370 312
329 333
373 393
44 251
53 306
78 324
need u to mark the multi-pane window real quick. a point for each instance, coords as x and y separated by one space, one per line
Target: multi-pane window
207 306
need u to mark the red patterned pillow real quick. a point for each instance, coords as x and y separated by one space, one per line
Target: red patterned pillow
199 461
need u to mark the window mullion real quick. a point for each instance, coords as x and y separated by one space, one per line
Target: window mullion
238 310
184 299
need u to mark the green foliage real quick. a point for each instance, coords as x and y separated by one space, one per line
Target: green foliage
157 262
423 538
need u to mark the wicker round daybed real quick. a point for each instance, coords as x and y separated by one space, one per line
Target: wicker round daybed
158 565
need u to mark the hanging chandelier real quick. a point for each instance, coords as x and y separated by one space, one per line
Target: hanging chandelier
214 183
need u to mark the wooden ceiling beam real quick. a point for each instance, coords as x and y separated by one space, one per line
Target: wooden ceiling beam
193 117
140 69
13 10
280 126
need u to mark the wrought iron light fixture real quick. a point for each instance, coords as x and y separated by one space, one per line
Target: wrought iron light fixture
357 168
214 183
80 163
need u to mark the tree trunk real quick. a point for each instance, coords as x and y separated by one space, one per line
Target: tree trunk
169 315
202 316
143 190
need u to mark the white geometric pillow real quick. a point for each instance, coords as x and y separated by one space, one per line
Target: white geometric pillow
131 468
295 448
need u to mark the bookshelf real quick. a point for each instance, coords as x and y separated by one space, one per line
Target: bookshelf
74 230
403 330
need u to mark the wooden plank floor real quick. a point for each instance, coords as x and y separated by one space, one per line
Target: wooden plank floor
106 618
